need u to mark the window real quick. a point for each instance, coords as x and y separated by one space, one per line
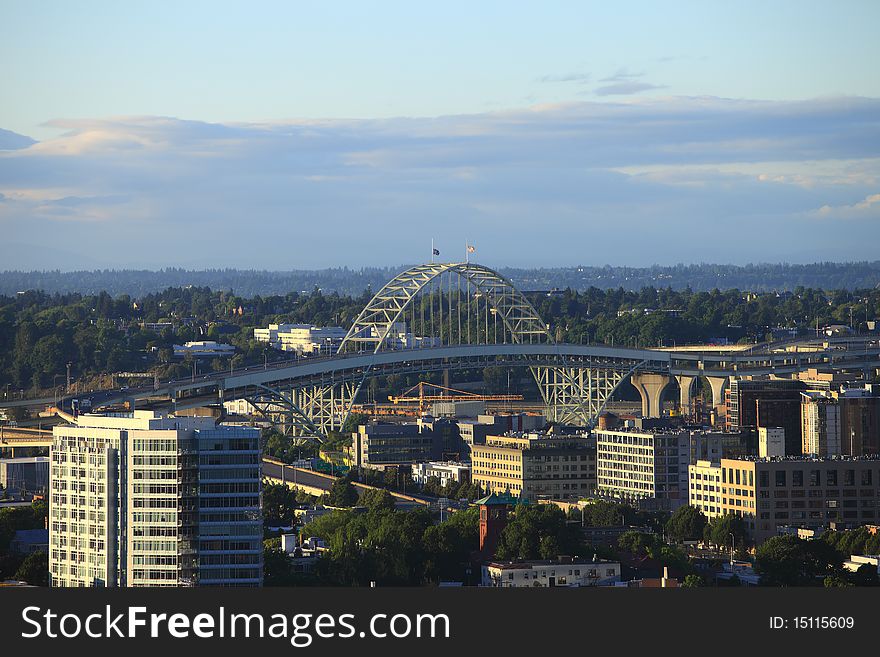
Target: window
780 477
831 478
797 478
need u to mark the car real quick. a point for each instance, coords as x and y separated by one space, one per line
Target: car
123 389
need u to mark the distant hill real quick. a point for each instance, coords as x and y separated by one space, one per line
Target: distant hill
758 277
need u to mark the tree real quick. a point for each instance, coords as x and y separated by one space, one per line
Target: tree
279 501
637 543
539 532
686 524
377 499
718 531
34 569
791 561
866 575
693 581
342 493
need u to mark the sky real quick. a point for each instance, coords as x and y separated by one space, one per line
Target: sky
288 135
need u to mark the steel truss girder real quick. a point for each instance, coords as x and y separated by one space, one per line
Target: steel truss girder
327 405
577 395
292 416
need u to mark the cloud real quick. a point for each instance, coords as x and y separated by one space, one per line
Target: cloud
622 75
869 207
570 77
647 178
625 88
13 141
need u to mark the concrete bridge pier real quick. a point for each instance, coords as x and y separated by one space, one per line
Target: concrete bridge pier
686 393
650 387
719 385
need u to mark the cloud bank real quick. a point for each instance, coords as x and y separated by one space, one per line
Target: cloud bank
635 182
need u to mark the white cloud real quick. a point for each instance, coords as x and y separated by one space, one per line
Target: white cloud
636 174
867 207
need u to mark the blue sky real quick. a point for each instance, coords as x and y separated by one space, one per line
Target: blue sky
664 131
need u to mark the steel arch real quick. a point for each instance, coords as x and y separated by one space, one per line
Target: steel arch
375 321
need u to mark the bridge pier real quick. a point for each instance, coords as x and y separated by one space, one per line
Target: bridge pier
650 387
719 385
686 393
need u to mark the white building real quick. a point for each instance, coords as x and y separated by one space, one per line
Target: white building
564 572
400 338
203 349
302 338
139 499
771 441
445 471
642 464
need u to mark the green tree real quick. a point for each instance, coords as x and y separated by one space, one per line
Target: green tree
686 524
791 561
693 581
718 531
279 502
34 569
342 493
537 532
377 499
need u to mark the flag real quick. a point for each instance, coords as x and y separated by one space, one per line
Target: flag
435 251
471 249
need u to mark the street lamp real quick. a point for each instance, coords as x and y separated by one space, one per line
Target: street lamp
732 547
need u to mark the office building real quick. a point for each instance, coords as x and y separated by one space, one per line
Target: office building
535 465
820 423
650 467
302 338
382 444
772 493
860 420
771 441
753 403
139 499
20 477
474 432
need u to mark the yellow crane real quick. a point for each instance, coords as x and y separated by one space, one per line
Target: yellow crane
446 394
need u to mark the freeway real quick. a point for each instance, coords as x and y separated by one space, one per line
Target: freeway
317 483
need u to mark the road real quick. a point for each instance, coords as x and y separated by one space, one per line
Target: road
319 482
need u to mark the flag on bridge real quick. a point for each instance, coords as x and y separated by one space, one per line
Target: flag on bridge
436 251
471 248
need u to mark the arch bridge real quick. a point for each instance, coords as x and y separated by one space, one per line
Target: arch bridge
457 316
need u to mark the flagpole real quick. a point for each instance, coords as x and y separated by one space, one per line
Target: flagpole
467 255
432 250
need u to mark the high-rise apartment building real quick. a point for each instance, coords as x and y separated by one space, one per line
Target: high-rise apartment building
139 499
